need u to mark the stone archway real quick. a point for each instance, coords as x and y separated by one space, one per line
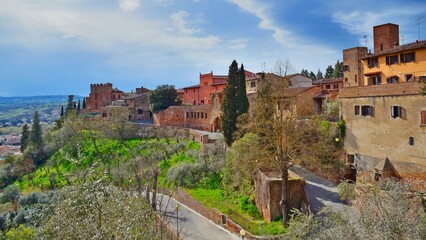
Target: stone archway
217 125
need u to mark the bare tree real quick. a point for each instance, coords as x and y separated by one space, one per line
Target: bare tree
284 67
281 134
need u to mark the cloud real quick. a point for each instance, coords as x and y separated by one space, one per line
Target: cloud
359 20
129 5
178 20
259 9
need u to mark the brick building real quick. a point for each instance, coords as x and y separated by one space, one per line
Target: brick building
101 95
209 84
103 98
329 89
384 112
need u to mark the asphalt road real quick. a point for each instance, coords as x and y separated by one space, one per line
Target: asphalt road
189 224
321 192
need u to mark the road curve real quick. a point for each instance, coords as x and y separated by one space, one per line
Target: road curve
190 224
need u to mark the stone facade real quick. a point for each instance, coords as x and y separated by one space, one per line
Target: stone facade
385 121
385 114
268 194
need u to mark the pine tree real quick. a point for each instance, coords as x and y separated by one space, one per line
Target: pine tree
36 136
329 72
229 104
338 70
312 75
319 74
25 138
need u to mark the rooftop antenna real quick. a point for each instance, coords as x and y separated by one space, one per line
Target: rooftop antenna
402 39
365 40
419 21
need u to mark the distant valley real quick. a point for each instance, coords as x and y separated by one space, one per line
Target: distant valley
14 111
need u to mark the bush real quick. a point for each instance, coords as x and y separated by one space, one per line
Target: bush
30 199
247 205
346 191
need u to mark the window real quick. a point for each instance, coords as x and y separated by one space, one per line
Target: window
423 117
356 110
411 141
374 80
187 114
373 62
253 84
397 111
206 115
393 79
392 60
345 68
104 115
356 78
140 111
408 77
192 115
327 86
407 57
336 86
367 111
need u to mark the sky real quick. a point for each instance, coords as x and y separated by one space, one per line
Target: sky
60 47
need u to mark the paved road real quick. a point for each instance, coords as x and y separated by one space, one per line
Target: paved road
191 225
321 192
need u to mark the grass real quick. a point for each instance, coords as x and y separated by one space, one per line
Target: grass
238 209
68 160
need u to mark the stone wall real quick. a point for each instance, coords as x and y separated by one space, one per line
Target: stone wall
370 139
268 194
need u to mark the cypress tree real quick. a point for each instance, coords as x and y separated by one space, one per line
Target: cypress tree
36 136
62 111
241 94
78 106
70 104
229 106
84 103
25 138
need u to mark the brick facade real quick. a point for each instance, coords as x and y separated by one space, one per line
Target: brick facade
386 36
268 194
103 98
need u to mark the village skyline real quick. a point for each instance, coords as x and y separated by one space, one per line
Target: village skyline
52 47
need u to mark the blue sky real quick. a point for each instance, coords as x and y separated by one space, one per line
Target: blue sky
50 47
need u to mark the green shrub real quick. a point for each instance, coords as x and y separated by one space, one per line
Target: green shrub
346 191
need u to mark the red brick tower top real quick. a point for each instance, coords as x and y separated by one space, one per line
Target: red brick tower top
386 36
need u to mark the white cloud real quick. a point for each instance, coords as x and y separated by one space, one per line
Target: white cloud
129 5
178 20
